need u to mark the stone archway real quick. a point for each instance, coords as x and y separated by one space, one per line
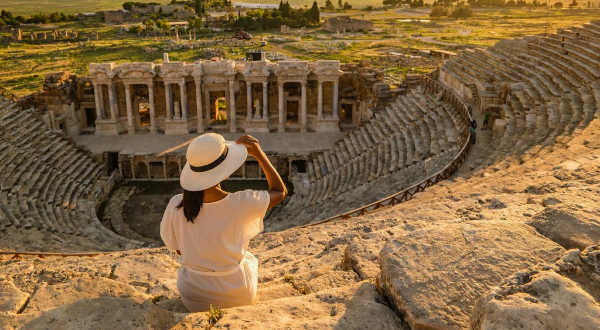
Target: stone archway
141 170
172 170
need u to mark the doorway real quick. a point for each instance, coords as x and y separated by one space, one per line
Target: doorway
90 117
144 114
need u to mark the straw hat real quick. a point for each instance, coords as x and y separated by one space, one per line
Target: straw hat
210 160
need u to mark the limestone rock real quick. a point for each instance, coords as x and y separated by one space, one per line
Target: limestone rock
566 228
550 201
157 272
98 313
11 298
361 258
354 307
69 292
435 275
563 295
548 301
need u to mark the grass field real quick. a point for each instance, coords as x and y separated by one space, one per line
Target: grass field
23 65
28 7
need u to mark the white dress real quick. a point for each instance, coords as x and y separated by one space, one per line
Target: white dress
216 269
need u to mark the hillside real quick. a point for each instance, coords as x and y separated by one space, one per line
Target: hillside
459 240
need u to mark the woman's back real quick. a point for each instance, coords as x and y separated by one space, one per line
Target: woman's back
212 228
219 235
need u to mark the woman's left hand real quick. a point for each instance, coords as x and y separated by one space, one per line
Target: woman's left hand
251 143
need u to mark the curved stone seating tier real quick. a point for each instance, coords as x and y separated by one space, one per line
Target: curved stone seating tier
553 90
405 141
586 51
46 182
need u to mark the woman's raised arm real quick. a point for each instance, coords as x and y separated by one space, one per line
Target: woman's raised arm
277 189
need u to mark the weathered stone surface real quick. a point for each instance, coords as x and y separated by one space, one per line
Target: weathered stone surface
353 307
561 296
362 258
567 229
155 274
435 275
547 301
72 291
11 298
98 313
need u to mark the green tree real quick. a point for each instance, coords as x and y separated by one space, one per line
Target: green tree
285 9
340 4
314 13
200 7
329 5
148 24
163 25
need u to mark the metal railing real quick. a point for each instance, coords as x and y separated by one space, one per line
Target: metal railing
433 86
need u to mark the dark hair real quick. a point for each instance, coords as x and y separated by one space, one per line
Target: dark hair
191 203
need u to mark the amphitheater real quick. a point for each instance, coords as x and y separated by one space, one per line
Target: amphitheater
396 221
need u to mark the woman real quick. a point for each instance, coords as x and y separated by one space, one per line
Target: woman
211 228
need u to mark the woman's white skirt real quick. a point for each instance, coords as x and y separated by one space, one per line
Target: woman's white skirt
235 287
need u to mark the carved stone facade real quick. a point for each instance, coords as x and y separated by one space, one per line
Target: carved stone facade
169 167
177 98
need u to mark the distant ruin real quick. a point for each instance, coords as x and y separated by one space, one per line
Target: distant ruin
343 24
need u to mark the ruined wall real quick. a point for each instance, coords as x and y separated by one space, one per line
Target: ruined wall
347 24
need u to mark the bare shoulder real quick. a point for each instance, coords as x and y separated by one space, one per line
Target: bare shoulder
175 200
250 195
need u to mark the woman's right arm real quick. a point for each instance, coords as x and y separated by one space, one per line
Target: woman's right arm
277 189
167 232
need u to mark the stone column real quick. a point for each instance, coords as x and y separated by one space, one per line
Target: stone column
265 105
303 108
248 100
232 112
98 98
183 103
200 121
207 104
112 97
335 98
320 101
168 102
176 110
132 165
281 126
152 110
130 125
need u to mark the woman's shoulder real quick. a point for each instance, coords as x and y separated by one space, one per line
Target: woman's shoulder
175 200
250 195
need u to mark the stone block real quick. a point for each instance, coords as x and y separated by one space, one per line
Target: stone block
178 127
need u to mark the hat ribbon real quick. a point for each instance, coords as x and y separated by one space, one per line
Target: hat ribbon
212 165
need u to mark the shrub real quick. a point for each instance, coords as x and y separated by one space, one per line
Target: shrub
214 315
329 5
438 11
558 5
462 11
